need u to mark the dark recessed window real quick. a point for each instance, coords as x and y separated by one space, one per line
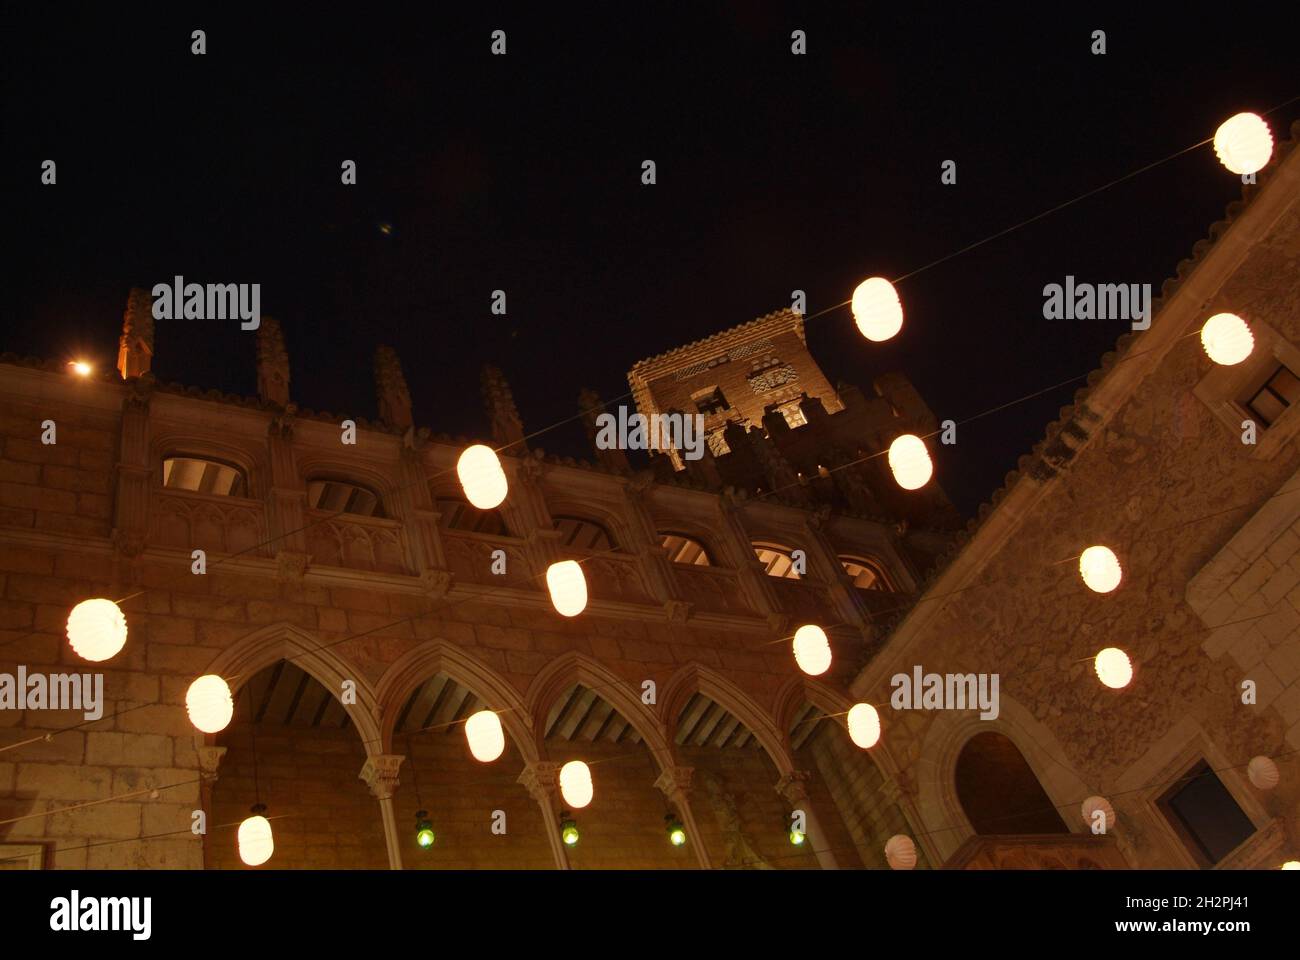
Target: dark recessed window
1279 392
337 496
1205 815
584 534
711 402
866 574
199 475
684 549
454 514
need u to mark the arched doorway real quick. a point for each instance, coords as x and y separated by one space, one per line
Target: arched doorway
999 792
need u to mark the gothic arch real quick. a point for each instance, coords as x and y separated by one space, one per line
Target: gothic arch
415 666
694 678
799 689
378 480
245 457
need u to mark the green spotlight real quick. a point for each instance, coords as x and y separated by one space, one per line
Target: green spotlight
423 830
676 832
568 829
797 836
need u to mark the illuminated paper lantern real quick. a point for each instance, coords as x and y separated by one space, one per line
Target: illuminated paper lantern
910 462
1089 812
255 841
1100 569
812 651
481 477
568 587
877 309
209 703
864 725
96 629
1114 668
900 852
1227 339
1291 865
1243 143
1263 773
485 736
575 784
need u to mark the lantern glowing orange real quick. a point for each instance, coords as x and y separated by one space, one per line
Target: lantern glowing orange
481 477
568 587
209 703
255 841
812 651
864 725
1227 339
485 736
575 784
876 309
1089 810
910 462
1114 668
900 852
96 629
1243 143
1100 569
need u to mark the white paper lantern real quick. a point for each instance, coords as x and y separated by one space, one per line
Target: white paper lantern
864 725
877 309
96 630
900 852
812 651
1291 865
575 784
1089 809
486 739
1100 569
910 462
568 587
481 476
1227 339
209 703
1114 668
1263 773
1243 143
255 841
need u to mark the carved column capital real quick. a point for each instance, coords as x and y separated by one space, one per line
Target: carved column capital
793 787
541 780
209 758
380 774
675 782
291 566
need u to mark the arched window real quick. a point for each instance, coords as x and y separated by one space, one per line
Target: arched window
866 574
998 789
456 514
776 560
201 475
583 533
684 549
339 496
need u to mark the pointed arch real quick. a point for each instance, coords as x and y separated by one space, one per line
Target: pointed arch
799 690
694 678
285 641
432 657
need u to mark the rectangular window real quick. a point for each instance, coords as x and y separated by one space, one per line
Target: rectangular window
1280 391
1205 815
711 401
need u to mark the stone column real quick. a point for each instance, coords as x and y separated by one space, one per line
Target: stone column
542 782
793 787
380 774
209 760
132 474
675 783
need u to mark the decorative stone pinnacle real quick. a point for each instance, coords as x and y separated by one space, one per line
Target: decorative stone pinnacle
272 363
390 386
135 348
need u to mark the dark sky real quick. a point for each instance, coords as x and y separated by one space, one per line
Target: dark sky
522 172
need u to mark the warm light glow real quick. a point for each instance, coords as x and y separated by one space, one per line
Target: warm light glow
575 784
485 736
424 835
1291 865
797 836
1243 143
568 587
96 629
209 703
1114 668
864 725
877 309
1263 773
812 651
255 841
80 367
1089 811
676 832
569 832
1100 569
910 462
481 477
900 852
1227 339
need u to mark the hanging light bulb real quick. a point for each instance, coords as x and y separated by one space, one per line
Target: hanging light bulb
575 784
423 830
797 836
900 852
485 736
255 841
1243 143
568 587
1114 668
812 651
96 629
481 476
864 725
676 832
1100 569
909 460
1227 339
209 703
568 829
876 309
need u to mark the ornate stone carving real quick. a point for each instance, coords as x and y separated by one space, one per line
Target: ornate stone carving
678 611
272 363
380 775
590 408
793 787
503 415
740 852
390 386
128 543
209 758
291 566
675 782
436 583
542 781
135 347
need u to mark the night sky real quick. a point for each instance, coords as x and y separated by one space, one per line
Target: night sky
522 172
